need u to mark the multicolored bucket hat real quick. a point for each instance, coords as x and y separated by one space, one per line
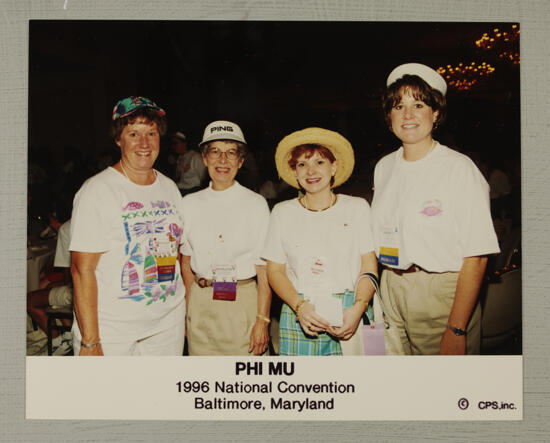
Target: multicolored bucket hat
129 105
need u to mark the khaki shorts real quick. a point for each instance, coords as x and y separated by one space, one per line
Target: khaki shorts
419 304
60 296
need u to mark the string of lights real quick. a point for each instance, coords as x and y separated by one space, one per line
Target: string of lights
501 42
464 76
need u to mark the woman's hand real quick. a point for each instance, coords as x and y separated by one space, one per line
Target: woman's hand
352 316
95 351
310 321
259 337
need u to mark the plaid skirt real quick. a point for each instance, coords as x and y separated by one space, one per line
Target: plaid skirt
293 341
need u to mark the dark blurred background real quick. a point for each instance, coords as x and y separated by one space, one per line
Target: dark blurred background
269 77
273 78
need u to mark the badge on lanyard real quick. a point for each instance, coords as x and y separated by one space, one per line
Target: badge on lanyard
373 339
224 282
389 246
166 260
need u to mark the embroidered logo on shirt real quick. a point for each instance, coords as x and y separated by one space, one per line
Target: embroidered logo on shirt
431 208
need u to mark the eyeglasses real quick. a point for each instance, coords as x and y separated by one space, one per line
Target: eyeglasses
230 154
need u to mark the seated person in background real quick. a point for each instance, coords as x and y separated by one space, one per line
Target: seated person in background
56 286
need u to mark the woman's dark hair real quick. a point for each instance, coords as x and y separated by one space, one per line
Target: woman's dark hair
150 114
420 90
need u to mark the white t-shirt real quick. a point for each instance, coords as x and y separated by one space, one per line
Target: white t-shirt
332 240
190 170
224 227
434 211
62 254
138 230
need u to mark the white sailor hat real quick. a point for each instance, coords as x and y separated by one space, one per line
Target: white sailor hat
430 76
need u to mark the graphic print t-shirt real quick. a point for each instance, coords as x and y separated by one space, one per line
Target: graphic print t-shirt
138 231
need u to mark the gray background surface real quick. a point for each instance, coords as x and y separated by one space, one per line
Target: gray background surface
535 55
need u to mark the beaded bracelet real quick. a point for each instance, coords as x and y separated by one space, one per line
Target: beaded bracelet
297 308
300 303
90 345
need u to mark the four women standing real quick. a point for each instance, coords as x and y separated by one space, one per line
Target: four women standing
431 230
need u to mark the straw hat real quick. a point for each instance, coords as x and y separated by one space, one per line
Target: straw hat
339 146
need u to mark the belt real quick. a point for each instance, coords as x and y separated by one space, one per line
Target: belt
412 268
204 283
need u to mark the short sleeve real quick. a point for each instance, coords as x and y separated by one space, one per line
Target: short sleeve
89 220
261 228
273 246
364 223
476 233
185 212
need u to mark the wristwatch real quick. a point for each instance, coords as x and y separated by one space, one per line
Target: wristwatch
456 331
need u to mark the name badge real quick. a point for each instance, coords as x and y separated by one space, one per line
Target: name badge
373 339
389 249
165 256
224 282
330 308
317 292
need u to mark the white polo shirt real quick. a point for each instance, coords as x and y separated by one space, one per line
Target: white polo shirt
224 227
433 212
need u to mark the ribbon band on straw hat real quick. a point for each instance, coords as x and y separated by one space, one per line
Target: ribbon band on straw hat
339 146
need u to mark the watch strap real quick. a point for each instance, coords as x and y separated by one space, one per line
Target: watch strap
456 331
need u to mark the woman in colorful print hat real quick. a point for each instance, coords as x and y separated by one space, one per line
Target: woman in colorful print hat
125 235
224 228
317 246
432 224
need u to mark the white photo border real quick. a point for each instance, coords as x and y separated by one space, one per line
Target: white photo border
534 21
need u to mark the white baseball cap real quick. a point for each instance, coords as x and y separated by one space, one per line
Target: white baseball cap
222 130
430 76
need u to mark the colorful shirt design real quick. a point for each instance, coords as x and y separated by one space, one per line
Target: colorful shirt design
149 273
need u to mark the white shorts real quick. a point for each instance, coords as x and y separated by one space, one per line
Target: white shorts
60 296
167 342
